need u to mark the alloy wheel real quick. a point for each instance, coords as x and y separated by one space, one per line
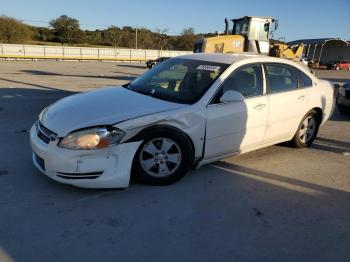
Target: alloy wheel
160 157
307 129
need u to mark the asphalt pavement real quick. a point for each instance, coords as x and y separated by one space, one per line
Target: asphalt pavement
274 204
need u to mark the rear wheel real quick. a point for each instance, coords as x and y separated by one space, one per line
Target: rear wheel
163 158
307 130
342 110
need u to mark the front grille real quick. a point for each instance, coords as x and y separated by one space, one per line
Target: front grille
92 175
44 133
39 161
43 137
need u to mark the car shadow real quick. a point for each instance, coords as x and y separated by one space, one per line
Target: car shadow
330 145
337 116
128 76
133 66
239 170
20 107
25 90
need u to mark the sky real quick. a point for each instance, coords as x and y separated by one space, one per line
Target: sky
298 19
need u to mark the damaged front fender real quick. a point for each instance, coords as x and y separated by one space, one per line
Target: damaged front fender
189 120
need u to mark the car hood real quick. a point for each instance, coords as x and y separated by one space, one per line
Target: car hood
105 106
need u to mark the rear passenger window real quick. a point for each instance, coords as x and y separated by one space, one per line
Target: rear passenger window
281 78
304 80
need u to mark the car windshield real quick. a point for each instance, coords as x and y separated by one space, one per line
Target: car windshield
178 80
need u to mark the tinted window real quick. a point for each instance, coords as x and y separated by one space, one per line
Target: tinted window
304 80
280 78
198 46
246 80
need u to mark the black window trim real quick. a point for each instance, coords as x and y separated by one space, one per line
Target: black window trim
263 80
298 71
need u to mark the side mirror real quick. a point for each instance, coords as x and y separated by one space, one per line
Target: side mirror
231 96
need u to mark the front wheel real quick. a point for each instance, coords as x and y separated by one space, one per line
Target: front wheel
163 158
307 130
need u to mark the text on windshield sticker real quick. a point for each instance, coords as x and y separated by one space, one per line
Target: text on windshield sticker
208 68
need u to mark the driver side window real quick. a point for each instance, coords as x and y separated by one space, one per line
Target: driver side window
246 80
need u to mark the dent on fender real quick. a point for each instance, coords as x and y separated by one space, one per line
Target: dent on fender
188 120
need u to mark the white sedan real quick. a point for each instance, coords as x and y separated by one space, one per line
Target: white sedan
184 113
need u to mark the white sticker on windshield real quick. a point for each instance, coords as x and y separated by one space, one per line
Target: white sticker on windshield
208 68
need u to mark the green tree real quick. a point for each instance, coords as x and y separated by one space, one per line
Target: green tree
67 30
13 31
113 36
94 37
43 34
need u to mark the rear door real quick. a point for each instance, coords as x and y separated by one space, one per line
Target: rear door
287 102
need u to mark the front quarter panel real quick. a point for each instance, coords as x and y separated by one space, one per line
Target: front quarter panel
191 120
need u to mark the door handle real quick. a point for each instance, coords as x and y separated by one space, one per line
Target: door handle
301 98
259 106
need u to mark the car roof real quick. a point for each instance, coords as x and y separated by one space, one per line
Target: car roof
224 58
232 58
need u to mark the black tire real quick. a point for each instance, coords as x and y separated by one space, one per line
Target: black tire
342 110
182 145
297 141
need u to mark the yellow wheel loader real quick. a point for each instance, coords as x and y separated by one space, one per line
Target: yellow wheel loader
249 34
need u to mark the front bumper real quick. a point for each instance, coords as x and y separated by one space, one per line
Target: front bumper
102 168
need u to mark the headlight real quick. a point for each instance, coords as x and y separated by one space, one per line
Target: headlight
92 138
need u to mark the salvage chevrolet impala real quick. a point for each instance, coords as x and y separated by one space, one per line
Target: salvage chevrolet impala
184 113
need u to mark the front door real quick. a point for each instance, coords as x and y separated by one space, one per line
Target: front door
236 126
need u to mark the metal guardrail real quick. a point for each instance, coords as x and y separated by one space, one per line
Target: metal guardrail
13 51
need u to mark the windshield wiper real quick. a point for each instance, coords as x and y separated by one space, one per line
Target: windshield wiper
127 86
130 87
152 94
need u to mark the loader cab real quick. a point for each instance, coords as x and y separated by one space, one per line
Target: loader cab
248 34
254 28
257 32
